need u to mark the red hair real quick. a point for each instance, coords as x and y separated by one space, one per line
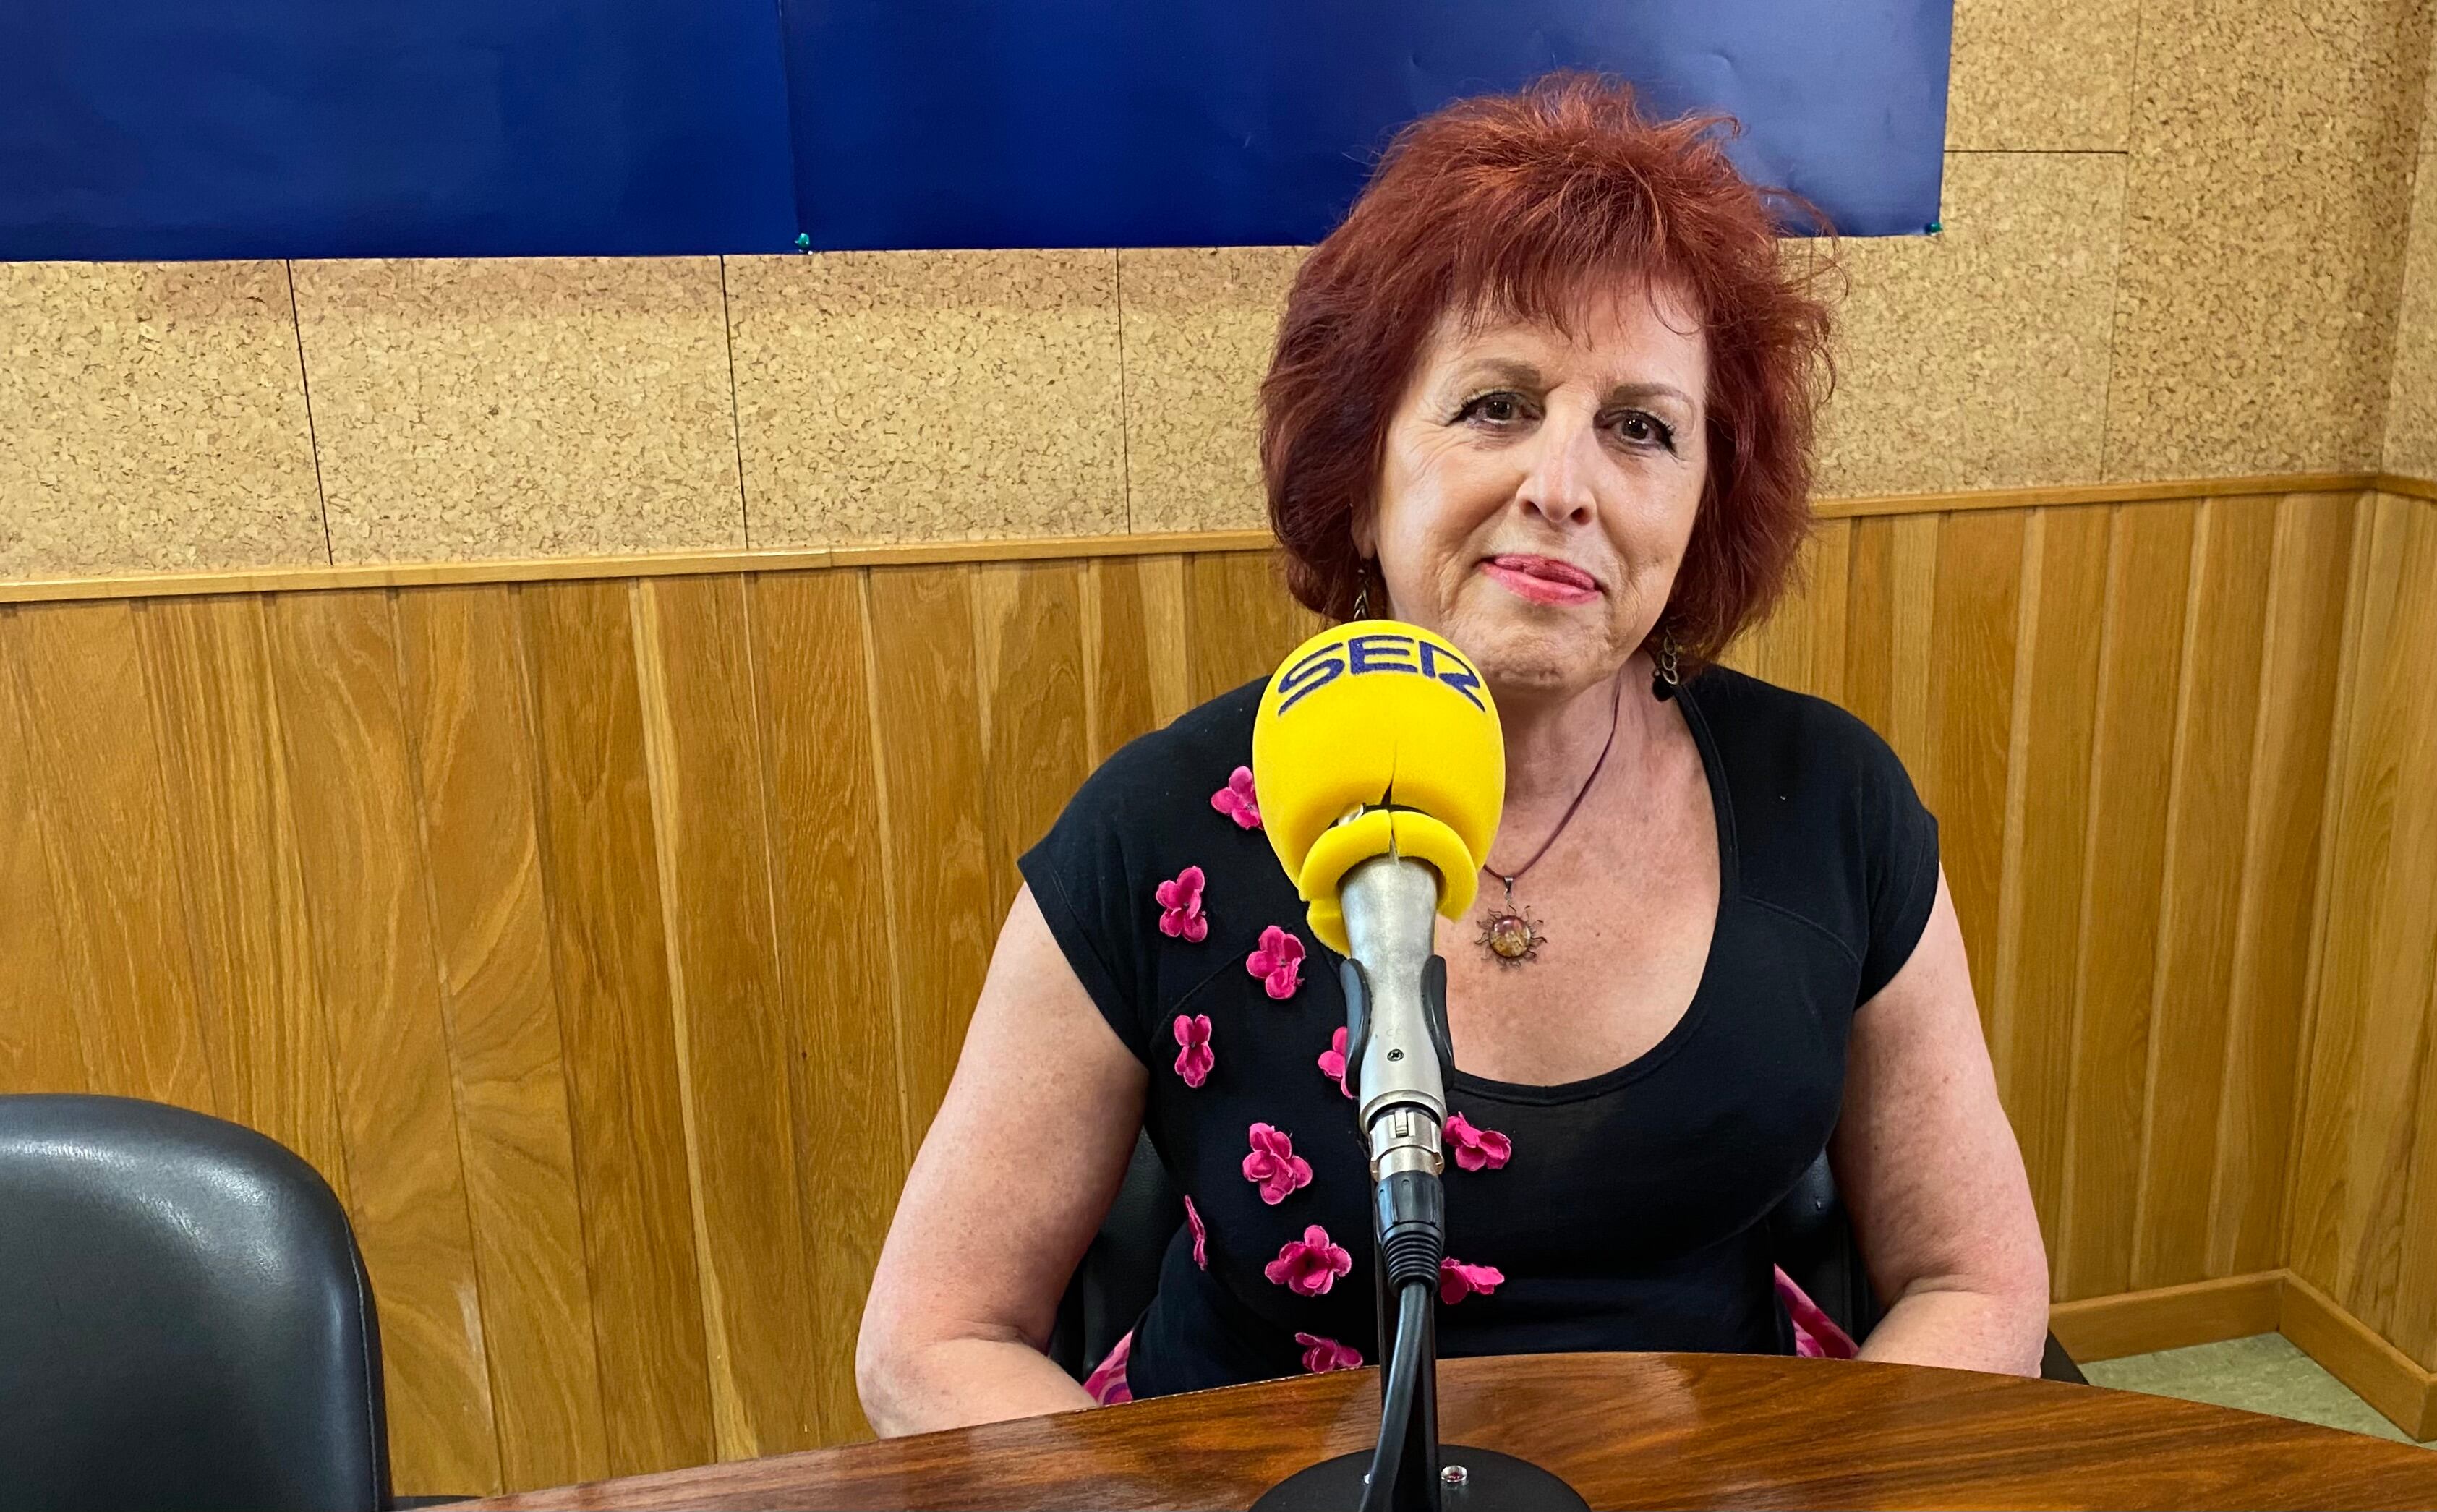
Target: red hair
1516 205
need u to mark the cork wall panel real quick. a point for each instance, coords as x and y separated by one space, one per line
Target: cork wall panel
2412 393
1199 327
520 407
151 418
2041 78
2429 109
951 395
1978 357
2265 240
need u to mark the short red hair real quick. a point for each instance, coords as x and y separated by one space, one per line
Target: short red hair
1514 204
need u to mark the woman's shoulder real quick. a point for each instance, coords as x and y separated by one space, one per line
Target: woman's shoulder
1157 852
1791 744
1825 822
1150 774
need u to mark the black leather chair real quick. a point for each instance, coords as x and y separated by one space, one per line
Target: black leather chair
1119 1274
184 1320
1810 1233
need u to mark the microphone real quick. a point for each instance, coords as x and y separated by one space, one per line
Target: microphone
1381 770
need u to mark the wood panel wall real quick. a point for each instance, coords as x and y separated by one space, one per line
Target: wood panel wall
2364 1225
607 944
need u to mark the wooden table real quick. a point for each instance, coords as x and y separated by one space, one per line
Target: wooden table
1627 1430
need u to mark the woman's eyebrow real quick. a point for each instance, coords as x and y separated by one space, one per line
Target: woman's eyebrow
1643 393
1502 370
1524 376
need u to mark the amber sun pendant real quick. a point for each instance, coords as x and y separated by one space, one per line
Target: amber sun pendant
1511 934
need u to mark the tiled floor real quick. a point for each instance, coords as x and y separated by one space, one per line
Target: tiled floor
2262 1374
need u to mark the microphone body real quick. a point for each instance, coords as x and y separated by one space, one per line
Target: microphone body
1400 1050
1396 1043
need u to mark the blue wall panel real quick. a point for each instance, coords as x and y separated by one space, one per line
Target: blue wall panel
1095 123
166 129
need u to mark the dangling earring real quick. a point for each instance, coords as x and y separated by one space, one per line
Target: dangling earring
1362 592
1664 678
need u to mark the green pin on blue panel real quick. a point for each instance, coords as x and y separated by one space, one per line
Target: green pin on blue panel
804 240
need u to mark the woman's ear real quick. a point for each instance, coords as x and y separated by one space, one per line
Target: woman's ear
1367 531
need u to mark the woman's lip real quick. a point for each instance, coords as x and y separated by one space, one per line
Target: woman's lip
1537 589
1546 567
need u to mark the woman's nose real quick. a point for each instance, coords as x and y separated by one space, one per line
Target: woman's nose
1559 486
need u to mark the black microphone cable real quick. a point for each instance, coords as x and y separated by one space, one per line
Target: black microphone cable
1410 1219
1398 1394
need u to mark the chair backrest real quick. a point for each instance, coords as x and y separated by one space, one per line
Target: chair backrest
184 1320
1811 1238
1119 1274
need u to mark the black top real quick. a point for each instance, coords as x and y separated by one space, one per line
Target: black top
1627 1211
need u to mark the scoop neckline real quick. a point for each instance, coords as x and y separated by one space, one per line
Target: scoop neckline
1689 1022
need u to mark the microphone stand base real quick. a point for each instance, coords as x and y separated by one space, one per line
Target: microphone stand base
1471 1479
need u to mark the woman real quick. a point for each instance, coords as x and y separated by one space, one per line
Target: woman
1548 392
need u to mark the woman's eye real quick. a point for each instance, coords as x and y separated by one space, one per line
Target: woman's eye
1645 430
1497 408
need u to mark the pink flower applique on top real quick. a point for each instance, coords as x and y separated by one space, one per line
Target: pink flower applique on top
1319 1355
1278 963
1477 1148
1274 1164
1332 1060
1201 1235
1180 903
1311 1265
1194 1056
1237 799
1458 1280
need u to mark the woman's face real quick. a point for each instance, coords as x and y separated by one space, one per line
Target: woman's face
1539 487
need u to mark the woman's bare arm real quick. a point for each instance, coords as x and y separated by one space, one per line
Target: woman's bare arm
1013 1178
1928 1166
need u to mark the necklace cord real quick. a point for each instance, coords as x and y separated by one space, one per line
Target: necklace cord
1616 710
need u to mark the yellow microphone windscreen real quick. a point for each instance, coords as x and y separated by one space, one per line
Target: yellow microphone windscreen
1387 717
